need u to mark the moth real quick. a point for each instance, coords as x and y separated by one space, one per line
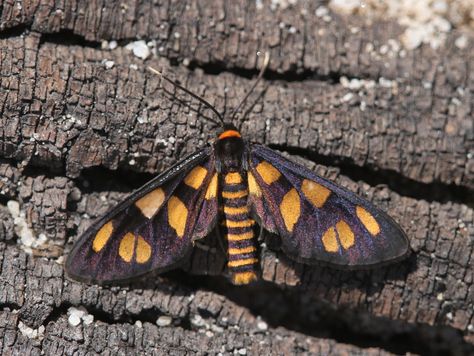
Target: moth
235 186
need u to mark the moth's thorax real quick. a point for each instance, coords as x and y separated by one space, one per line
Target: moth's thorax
230 152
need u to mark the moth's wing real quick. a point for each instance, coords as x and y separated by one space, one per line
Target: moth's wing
152 229
317 219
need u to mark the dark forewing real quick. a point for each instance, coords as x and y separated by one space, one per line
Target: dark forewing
153 228
318 220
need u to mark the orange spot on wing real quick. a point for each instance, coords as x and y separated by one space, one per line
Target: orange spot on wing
254 188
268 173
329 240
345 234
151 202
368 220
229 133
143 251
195 178
177 215
290 209
102 236
211 191
315 193
126 247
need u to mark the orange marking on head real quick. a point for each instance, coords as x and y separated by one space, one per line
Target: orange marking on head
229 133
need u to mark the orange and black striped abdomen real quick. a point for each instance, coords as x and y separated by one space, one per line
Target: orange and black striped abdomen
239 230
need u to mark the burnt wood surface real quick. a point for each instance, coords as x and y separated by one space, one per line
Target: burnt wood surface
82 124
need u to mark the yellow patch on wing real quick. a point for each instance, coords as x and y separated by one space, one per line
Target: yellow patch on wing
254 188
268 173
127 244
102 236
234 195
143 250
240 237
131 244
211 191
242 278
243 223
177 215
238 251
315 192
230 210
345 234
368 220
329 240
244 262
233 178
150 203
195 178
290 209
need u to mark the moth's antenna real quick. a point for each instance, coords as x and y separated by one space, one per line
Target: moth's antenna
205 102
266 60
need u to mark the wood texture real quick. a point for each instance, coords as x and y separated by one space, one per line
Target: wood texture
82 125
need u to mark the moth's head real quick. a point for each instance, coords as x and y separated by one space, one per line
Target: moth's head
229 149
229 131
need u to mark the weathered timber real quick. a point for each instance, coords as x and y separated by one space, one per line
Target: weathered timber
82 125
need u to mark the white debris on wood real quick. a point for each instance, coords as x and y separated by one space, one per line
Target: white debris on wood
461 42
164 320
261 325
198 321
426 21
78 315
321 11
31 333
357 84
282 4
28 240
109 64
139 49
